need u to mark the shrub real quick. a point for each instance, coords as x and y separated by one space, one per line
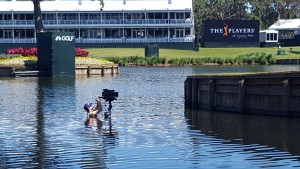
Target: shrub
208 60
257 58
184 61
229 60
133 59
174 61
220 61
199 61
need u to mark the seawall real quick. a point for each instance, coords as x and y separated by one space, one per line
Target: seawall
102 70
276 93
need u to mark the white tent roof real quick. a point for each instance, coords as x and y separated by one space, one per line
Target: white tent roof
268 31
286 24
88 5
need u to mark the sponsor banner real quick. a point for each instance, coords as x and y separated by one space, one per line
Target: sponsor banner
231 31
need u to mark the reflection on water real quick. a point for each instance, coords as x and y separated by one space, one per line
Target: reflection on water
43 125
276 133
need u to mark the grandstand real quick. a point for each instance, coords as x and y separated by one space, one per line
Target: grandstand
119 23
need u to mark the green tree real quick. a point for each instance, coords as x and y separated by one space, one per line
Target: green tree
218 9
263 11
227 9
198 7
266 11
287 9
269 11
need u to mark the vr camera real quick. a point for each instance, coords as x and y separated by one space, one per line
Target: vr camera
109 95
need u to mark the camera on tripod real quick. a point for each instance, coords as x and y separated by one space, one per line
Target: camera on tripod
109 95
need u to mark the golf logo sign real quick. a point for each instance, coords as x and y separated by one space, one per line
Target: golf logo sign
64 38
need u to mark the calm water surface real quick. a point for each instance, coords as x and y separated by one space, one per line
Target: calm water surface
42 125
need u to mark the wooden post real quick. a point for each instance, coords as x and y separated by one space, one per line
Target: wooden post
13 71
88 70
211 94
286 98
103 70
195 88
188 92
241 96
118 70
112 70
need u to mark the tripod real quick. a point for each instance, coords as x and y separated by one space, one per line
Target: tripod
110 106
108 113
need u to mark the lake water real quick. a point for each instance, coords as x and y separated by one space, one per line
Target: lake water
42 125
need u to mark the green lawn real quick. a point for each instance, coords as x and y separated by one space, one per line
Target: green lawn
204 52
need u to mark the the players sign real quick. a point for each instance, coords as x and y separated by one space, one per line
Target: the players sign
230 31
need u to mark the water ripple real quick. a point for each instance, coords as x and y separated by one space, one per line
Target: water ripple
45 126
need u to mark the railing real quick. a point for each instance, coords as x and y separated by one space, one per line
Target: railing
105 40
99 22
17 40
110 40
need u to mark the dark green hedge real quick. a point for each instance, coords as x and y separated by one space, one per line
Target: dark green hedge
252 58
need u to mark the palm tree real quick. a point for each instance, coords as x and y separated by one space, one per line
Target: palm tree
39 26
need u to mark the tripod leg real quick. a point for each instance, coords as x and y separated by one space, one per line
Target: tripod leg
110 107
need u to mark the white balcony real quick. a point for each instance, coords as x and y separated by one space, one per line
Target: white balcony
105 40
136 22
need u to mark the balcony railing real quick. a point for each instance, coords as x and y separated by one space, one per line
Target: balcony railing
99 22
104 40
17 40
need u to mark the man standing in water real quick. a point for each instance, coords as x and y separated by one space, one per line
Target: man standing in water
92 114
93 111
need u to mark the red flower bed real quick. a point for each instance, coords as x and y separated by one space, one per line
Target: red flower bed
33 52
22 51
81 53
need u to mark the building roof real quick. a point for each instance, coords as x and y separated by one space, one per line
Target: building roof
286 24
268 31
89 5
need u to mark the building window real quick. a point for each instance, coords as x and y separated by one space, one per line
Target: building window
7 16
286 34
112 16
84 16
49 16
275 37
272 37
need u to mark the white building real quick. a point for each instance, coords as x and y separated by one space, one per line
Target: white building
120 21
286 24
288 31
268 36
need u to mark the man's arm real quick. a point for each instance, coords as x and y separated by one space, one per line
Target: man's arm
97 109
